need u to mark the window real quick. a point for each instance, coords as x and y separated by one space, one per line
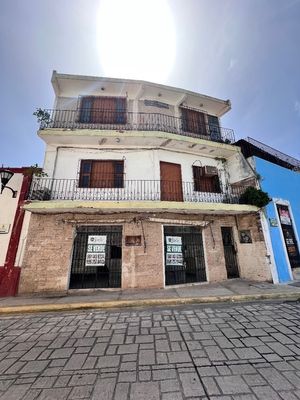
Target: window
193 121
204 182
103 110
101 174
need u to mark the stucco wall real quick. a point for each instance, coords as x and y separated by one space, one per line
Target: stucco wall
238 168
138 163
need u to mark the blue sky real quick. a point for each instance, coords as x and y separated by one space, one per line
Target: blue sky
247 51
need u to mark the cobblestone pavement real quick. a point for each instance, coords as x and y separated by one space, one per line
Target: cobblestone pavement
240 352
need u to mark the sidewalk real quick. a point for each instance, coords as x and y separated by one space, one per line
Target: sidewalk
234 290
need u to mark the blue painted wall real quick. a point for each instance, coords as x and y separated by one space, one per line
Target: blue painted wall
280 183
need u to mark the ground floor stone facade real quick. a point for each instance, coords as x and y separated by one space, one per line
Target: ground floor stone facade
47 264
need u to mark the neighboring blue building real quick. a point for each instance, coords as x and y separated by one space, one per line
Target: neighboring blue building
280 178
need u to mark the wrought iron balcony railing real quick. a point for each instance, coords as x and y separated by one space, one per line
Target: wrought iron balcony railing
138 190
139 121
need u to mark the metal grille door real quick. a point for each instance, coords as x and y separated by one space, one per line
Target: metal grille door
97 257
184 255
229 253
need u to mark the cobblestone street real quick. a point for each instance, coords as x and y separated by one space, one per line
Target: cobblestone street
240 352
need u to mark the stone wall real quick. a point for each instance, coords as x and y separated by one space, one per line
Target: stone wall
48 253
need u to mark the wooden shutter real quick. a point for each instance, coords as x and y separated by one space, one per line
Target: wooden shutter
193 121
102 175
170 182
197 172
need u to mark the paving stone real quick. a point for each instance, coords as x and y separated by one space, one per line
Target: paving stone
280 349
55 394
62 381
247 353
210 386
98 349
4 384
32 394
121 392
128 376
146 357
145 375
44 382
34 366
287 396
170 385
162 345
83 379
16 392
144 390
265 393
214 353
127 348
61 353
232 384
5 364
81 392
191 384
178 357
207 371
172 396
254 380
163 374
76 361
292 377
275 379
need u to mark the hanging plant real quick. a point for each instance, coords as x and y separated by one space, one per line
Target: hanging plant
255 197
43 116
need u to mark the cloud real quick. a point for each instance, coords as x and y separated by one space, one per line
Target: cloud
297 107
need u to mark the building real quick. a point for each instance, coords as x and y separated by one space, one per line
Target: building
13 226
280 177
142 190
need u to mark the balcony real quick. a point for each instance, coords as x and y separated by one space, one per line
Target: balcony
131 121
46 189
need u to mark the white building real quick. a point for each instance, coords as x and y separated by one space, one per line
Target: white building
142 190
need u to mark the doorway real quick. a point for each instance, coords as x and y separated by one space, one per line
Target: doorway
230 253
97 257
289 236
184 255
170 182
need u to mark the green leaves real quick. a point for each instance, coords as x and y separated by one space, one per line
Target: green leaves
255 197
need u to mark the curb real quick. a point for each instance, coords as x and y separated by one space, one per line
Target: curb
34 308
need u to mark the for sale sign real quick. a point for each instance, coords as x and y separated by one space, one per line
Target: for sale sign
95 255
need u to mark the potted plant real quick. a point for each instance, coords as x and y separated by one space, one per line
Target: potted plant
255 197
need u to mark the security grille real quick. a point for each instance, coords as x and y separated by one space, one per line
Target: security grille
97 257
184 255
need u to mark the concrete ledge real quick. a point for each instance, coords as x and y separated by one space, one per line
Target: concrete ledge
34 308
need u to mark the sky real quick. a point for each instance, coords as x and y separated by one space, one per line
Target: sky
247 51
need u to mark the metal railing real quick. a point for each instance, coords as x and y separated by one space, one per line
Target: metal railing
138 190
139 121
